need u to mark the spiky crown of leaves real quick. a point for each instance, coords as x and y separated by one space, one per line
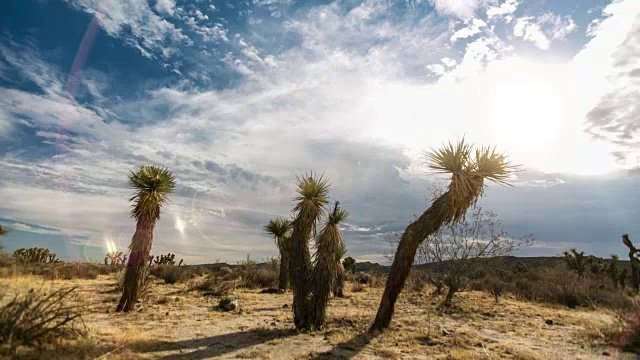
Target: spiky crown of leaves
152 185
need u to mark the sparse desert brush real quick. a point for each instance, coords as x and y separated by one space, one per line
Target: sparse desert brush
37 317
171 274
357 288
211 286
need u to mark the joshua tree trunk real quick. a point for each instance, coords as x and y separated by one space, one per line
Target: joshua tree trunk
324 274
299 265
416 233
134 275
634 262
283 282
338 286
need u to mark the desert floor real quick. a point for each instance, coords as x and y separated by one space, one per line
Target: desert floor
176 324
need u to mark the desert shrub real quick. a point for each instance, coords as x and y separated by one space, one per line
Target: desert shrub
267 277
357 287
223 271
362 278
495 287
34 318
6 260
211 286
417 280
171 274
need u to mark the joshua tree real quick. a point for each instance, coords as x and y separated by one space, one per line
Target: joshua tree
328 247
635 278
313 196
280 229
576 261
338 285
152 185
469 169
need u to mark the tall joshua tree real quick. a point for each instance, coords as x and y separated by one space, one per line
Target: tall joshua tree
312 197
152 185
328 245
280 229
469 169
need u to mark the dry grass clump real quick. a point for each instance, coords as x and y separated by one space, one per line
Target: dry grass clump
37 317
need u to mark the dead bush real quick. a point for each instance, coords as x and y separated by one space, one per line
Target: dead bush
37 317
357 287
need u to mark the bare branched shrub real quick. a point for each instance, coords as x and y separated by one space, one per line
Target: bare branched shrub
34 318
454 250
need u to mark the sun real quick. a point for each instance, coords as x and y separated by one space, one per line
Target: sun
527 114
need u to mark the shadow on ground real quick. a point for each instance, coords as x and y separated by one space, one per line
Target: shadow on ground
212 346
348 349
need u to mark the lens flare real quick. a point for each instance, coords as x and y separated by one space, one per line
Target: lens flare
180 225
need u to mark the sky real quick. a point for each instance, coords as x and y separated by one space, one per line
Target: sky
237 98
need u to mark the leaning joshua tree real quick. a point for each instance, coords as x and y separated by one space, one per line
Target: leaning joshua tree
469 169
152 185
280 229
635 278
325 265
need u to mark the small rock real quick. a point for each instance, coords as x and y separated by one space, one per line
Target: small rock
548 322
285 306
166 314
445 332
229 304
273 324
606 353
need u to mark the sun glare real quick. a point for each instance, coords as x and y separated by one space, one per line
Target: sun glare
527 114
180 225
111 246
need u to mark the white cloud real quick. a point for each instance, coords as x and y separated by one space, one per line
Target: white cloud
166 6
463 9
505 10
544 29
135 23
472 27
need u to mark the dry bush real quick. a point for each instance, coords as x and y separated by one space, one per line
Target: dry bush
417 280
553 285
357 287
37 317
171 274
211 286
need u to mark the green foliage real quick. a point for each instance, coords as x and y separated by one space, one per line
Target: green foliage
152 185
349 264
35 256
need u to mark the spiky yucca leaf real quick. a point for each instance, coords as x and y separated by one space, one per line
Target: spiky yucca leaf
152 185
467 174
279 229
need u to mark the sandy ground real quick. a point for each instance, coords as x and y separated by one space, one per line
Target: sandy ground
176 324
